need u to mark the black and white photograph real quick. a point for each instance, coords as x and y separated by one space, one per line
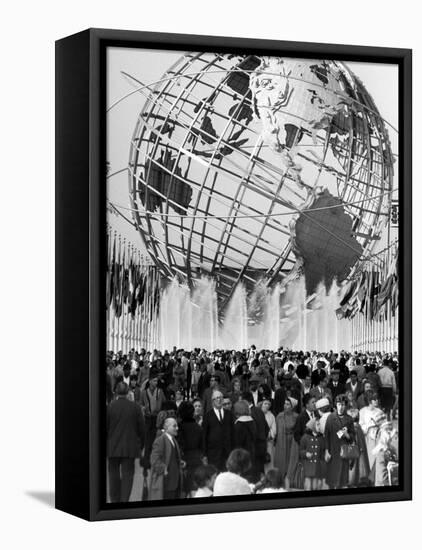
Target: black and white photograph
252 276
211 274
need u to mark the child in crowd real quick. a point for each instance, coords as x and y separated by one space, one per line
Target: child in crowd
204 478
311 452
272 483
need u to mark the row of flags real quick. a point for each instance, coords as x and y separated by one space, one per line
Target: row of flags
371 292
132 286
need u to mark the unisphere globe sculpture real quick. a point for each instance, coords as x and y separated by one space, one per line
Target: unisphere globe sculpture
246 168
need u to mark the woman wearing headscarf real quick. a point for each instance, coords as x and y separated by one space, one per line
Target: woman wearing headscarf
339 432
286 452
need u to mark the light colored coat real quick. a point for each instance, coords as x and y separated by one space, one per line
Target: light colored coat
160 460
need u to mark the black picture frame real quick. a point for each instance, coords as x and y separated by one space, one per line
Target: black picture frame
80 262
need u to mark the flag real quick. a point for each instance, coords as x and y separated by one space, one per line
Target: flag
110 286
362 290
373 290
134 282
118 287
385 292
395 290
340 313
108 271
116 279
386 288
348 292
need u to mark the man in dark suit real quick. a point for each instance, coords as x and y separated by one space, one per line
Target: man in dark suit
217 432
321 390
334 385
307 413
125 441
262 430
318 374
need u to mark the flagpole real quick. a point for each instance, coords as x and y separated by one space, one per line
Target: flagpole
108 288
148 297
129 297
141 309
370 327
122 309
139 306
137 316
118 297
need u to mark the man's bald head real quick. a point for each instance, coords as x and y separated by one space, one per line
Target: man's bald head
170 426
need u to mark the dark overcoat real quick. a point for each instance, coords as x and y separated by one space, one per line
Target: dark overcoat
125 429
338 468
314 444
217 438
262 430
245 435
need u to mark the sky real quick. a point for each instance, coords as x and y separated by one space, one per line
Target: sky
148 66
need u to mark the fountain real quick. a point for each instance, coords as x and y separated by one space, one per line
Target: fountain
234 330
269 318
310 322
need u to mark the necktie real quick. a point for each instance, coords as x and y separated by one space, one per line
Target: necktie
220 415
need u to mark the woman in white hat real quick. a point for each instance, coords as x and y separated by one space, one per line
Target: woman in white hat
385 453
323 408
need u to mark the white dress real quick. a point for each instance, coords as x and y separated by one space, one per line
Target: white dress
370 429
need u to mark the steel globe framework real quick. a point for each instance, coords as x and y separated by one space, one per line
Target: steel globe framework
228 150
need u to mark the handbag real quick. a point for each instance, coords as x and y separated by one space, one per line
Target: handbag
298 481
349 451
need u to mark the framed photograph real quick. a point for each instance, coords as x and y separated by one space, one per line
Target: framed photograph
233 277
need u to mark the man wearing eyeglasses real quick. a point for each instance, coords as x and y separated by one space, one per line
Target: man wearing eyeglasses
217 432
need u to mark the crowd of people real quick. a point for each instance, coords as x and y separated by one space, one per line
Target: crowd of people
232 422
